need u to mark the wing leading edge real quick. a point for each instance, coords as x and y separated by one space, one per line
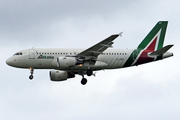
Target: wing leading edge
100 47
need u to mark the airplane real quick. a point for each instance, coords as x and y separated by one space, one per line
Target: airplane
66 63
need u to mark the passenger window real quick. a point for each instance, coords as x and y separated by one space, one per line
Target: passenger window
20 53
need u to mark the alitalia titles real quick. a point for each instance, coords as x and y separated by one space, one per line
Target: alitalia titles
45 57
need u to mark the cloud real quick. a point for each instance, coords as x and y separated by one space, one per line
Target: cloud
150 91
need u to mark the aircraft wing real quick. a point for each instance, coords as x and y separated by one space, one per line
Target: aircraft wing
99 48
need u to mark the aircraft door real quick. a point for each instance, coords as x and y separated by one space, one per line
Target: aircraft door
31 54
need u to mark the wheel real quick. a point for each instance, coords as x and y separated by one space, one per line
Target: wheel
89 72
83 81
31 77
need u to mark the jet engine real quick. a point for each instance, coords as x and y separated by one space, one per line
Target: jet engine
63 62
60 75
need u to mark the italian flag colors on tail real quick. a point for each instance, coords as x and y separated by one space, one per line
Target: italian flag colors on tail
152 42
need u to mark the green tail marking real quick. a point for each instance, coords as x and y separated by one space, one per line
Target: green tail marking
161 25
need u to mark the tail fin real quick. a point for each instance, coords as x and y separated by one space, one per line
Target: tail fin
152 42
155 39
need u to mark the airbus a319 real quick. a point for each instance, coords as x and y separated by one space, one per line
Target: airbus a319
66 63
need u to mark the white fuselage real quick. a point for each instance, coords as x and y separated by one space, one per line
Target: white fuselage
43 59
69 62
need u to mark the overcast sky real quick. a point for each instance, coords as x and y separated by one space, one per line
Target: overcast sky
146 92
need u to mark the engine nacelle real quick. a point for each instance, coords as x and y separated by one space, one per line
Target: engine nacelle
64 62
60 75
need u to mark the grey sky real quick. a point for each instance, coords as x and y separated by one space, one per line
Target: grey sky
146 92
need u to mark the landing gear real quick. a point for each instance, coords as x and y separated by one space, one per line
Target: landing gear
83 81
31 71
31 77
89 72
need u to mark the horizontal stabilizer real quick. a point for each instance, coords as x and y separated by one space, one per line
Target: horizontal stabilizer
161 51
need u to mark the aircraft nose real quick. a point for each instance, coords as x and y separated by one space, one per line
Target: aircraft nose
9 61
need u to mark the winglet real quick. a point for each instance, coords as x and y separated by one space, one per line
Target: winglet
120 34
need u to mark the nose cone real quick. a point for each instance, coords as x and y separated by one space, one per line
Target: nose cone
9 61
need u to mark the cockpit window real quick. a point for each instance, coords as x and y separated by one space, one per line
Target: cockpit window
18 53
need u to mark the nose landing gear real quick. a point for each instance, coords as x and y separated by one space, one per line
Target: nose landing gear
31 71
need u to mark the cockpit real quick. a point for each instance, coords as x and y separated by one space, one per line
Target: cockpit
19 53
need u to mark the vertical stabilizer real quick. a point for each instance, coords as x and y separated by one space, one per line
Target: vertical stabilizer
152 42
155 38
